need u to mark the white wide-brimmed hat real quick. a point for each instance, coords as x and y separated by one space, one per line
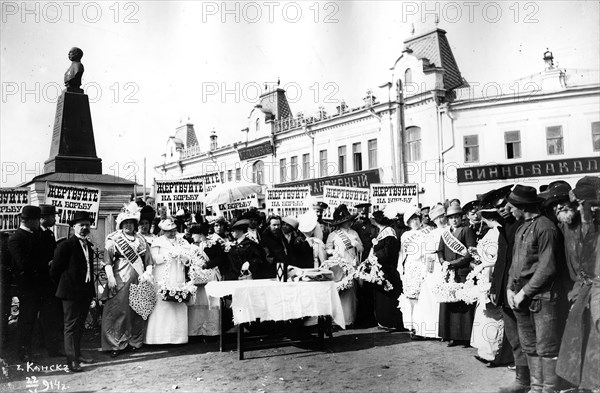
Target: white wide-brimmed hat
307 221
130 211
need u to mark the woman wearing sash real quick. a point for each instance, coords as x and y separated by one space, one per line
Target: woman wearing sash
413 269
456 319
168 323
126 253
428 308
386 248
345 244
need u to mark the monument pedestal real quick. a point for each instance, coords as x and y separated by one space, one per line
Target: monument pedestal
73 149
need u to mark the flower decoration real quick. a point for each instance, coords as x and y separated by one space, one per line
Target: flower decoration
370 271
343 272
446 290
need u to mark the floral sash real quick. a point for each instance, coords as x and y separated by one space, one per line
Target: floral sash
453 243
345 238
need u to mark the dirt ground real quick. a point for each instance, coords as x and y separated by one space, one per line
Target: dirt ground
356 360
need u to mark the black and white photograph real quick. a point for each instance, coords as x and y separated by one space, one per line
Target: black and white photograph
300 196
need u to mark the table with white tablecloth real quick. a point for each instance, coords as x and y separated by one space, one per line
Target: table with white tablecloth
272 300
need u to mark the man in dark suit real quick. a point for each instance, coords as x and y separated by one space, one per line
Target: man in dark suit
31 276
72 270
53 325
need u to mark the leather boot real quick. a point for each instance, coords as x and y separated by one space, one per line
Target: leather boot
551 380
536 377
521 382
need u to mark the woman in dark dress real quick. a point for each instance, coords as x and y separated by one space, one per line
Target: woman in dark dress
386 247
245 250
456 319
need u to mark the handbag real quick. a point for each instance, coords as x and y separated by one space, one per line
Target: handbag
142 298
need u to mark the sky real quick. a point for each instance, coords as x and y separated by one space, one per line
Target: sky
149 66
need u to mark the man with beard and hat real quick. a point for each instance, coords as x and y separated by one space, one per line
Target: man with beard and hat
365 229
556 195
535 290
31 276
273 244
72 269
579 357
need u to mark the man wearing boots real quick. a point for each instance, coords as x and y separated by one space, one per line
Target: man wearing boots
535 292
500 279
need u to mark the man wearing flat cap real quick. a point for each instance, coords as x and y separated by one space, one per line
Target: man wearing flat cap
54 331
319 207
535 291
73 271
31 276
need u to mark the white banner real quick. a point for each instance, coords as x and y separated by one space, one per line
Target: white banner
335 196
12 201
289 201
383 194
243 205
180 194
67 199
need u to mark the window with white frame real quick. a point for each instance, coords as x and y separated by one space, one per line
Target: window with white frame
294 168
357 156
471 145
554 140
342 159
413 144
323 163
372 153
230 175
258 172
282 170
306 166
512 144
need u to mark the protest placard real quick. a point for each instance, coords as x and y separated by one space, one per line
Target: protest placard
67 199
291 201
12 201
227 209
180 194
383 194
335 196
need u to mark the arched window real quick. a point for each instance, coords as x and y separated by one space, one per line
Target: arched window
257 125
258 172
413 143
408 76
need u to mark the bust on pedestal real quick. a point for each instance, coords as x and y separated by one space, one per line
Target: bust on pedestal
73 149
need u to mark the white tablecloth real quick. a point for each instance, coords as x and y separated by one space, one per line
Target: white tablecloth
271 300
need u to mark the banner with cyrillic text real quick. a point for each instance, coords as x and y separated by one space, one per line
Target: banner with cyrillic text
68 199
12 201
384 194
227 210
180 194
335 196
291 201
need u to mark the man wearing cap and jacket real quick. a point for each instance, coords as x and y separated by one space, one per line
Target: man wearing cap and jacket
534 291
54 327
31 277
73 271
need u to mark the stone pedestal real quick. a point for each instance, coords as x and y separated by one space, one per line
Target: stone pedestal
73 149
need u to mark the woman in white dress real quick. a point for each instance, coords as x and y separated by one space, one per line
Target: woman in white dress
309 228
168 323
345 244
488 325
427 310
412 268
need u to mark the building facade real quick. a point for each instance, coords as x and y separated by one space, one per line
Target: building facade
450 138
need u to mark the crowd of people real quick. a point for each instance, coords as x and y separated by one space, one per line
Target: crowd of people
514 273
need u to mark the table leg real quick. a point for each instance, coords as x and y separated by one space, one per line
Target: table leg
221 325
328 326
240 341
321 329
